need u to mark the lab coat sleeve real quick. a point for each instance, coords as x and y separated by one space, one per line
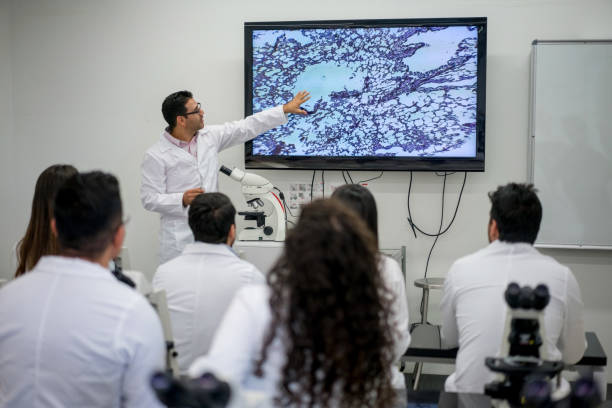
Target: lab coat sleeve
140 338
153 189
449 331
572 341
233 347
397 286
240 131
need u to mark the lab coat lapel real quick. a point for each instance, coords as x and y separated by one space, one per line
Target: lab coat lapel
176 151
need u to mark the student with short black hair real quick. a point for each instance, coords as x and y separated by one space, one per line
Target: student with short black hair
87 340
473 305
201 282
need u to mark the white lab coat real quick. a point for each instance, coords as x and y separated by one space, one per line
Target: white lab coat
394 280
200 284
474 309
168 171
71 335
239 338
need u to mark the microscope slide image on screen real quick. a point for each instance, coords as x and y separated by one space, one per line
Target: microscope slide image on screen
386 92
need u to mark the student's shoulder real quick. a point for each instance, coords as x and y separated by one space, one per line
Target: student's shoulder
552 266
157 151
253 295
139 309
389 266
245 265
469 259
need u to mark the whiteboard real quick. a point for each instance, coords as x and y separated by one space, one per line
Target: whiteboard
570 142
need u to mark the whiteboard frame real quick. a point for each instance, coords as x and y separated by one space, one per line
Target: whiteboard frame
531 133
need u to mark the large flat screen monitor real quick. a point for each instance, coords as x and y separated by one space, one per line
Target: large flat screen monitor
386 94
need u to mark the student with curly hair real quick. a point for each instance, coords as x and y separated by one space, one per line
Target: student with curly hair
319 333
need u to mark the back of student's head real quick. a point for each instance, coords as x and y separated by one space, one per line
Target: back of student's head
87 213
211 216
360 200
174 105
328 302
517 211
38 239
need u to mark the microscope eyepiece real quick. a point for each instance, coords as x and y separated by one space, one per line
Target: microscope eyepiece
512 295
225 170
541 297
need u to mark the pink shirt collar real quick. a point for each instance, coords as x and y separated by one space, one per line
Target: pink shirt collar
191 147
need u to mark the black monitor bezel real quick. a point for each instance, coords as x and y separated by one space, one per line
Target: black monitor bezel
475 164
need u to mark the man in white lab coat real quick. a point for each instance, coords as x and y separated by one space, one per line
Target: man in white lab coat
183 163
71 335
473 305
201 282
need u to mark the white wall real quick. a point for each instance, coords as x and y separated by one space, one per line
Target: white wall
10 230
88 78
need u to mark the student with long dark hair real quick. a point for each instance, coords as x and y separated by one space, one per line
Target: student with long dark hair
361 200
38 239
318 334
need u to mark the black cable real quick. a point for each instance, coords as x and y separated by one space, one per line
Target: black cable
281 195
350 177
409 214
373 178
312 184
414 226
422 307
344 177
323 181
439 229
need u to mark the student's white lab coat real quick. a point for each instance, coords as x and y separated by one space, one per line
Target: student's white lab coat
238 340
200 284
168 171
87 340
474 309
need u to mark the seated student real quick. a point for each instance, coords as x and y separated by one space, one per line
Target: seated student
360 200
84 339
473 305
319 333
38 239
201 282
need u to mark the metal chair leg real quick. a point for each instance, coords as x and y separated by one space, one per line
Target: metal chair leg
416 375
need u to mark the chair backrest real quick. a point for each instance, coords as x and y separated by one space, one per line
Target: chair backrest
123 259
159 303
143 286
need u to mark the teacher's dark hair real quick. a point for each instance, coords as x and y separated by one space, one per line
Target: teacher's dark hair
517 211
174 105
330 310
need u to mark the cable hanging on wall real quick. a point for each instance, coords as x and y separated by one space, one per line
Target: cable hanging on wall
441 230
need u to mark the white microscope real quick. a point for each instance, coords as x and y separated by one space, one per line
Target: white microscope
268 210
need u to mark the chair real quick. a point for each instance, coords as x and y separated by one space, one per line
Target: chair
159 303
423 334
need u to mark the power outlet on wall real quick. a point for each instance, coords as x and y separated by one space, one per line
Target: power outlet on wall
299 193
